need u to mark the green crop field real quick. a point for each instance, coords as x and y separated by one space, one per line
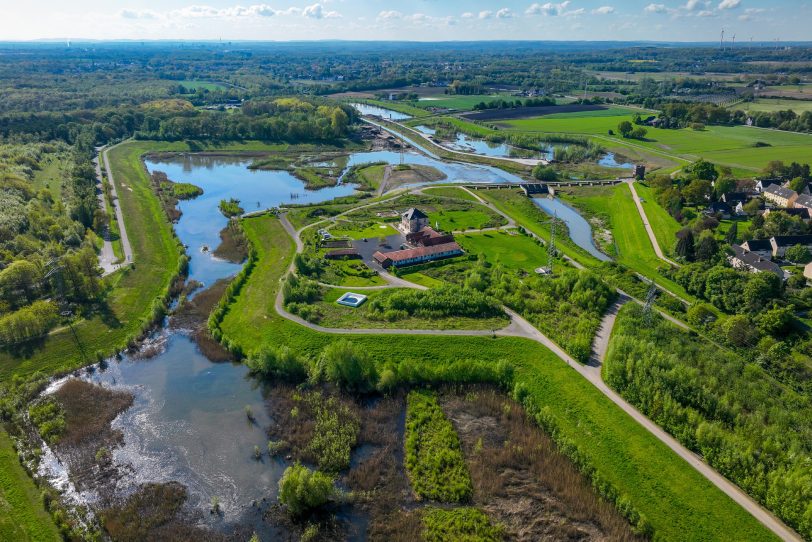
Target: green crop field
775 104
608 112
679 503
22 517
731 146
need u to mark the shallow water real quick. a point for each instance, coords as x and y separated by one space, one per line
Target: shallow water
466 143
580 230
608 160
382 112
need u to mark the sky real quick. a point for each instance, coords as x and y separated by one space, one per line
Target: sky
417 20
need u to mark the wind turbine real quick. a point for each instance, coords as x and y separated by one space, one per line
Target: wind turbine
733 43
722 40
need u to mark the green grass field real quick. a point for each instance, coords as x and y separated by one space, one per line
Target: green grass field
678 502
775 104
346 228
450 192
731 146
514 251
22 517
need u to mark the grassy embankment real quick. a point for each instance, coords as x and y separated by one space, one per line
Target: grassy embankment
633 247
678 502
665 226
442 152
400 107
22 517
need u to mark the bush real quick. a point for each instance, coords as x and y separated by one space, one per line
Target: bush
49 418
434 458
335 433
349 367
302 490
277 363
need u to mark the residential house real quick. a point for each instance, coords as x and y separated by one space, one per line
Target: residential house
780 195
808 270
414 256
762 247
745 260
762 184
736 200
804 201
780 243
719 208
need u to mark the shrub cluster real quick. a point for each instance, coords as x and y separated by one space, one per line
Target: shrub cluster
434 459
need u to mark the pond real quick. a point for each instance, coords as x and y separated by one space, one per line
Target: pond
579 229
466 143
608 160
376 111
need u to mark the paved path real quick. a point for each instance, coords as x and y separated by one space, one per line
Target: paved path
125 240
649 229
107 256
519 327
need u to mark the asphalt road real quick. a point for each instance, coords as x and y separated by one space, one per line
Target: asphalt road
125 240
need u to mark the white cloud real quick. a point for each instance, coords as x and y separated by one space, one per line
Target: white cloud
467 15
574 13
135 14
390 14
547 9
485 14
655 8
729 4
504 13
603 10
705 13
316 11
691 5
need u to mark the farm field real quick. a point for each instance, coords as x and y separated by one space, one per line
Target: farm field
461 102
731 146
776 104
675 500
207 85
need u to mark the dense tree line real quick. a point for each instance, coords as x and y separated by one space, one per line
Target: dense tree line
749 427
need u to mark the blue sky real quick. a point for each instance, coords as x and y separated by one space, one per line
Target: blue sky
424 20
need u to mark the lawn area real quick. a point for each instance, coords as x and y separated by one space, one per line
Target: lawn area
450 192
633 247
22 517
344 228
665 226
475 218
679 503
512 250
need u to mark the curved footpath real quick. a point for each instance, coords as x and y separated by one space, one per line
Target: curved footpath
519 327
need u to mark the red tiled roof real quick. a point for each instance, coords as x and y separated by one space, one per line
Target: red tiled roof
409 253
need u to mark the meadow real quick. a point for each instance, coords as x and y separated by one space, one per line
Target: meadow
732 146
674 498
665 226
775 104
512 250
